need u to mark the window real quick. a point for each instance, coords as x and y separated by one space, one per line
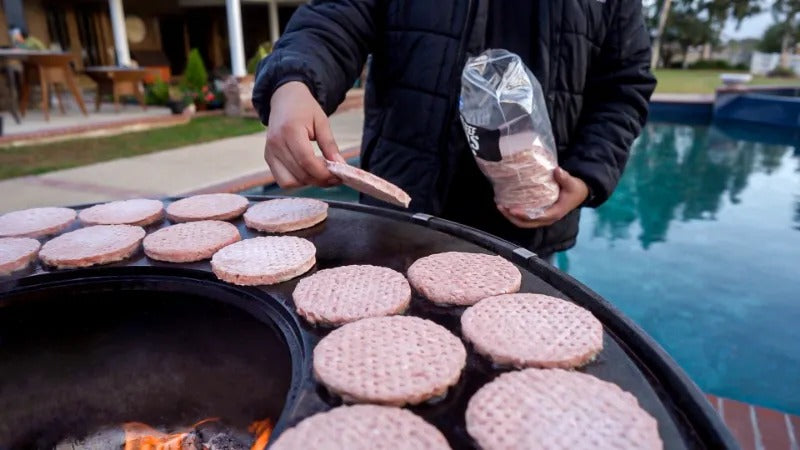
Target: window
57 26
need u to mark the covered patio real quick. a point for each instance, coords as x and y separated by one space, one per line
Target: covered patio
153 35
150 32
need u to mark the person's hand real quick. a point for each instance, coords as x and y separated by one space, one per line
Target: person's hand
295 120
573 193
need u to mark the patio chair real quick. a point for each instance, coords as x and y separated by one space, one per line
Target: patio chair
8 89
50 70
116 82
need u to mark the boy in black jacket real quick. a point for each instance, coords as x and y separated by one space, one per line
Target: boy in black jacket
590 56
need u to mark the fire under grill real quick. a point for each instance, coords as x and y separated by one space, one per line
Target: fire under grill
150 355
208 434
129 362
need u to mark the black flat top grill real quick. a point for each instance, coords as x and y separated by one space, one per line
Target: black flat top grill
356 234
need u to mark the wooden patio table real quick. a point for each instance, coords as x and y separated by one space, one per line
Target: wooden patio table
118 81
48 69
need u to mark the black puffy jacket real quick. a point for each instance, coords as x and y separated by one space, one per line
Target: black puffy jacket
591 57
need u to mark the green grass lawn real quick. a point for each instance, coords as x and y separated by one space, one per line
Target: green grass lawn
41 158
676 81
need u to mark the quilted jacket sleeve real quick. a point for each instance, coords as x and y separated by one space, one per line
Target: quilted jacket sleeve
324 46
616 98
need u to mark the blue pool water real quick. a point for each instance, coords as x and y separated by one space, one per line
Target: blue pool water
700 245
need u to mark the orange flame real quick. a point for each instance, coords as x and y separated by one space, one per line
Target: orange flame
139 436
262 429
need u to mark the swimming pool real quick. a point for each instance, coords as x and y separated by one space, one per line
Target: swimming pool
700 244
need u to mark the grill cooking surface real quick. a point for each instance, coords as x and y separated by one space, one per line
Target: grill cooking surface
352 234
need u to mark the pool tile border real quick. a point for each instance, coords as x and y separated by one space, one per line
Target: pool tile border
758 428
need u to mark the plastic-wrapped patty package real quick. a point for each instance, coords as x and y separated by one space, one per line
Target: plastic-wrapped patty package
508 130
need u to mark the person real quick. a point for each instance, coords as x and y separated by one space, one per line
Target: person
21 39
592 58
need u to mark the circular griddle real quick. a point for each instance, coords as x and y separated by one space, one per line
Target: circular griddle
357 234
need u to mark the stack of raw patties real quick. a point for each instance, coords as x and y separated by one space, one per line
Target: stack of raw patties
523 179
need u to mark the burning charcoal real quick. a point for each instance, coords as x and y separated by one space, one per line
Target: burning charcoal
101 440
208 434
216 435
225 442
207 429
191 442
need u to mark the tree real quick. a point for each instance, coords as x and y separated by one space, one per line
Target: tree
789 12
195 76
663 15
772 41
716 13
686 30
712 14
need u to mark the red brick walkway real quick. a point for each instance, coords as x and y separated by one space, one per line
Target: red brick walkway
758 428
89 128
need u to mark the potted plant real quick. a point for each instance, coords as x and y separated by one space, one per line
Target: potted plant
179 99
263 51
157 93
195 80
214 98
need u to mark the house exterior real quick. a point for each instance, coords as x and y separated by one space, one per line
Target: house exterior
158 33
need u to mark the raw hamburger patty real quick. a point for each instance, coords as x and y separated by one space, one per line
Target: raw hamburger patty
393 360
557 409
349 293
285 214
532 330
362 427
523 180
369 184
17 253
456 278
36 222
191 241
207 207
264 260
98 244
138 211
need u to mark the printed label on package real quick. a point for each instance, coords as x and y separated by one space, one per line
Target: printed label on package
485 144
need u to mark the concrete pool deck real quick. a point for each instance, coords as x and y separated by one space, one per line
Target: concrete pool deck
777 106
224 165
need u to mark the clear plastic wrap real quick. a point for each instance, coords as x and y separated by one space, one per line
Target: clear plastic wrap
508 130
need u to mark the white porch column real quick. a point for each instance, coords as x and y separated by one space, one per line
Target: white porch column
274 32
120 34
235 40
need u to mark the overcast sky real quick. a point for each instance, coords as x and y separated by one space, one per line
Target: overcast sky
752 27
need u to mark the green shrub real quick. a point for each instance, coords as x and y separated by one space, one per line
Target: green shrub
262 52
711 64
195 75
157 93
781 72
